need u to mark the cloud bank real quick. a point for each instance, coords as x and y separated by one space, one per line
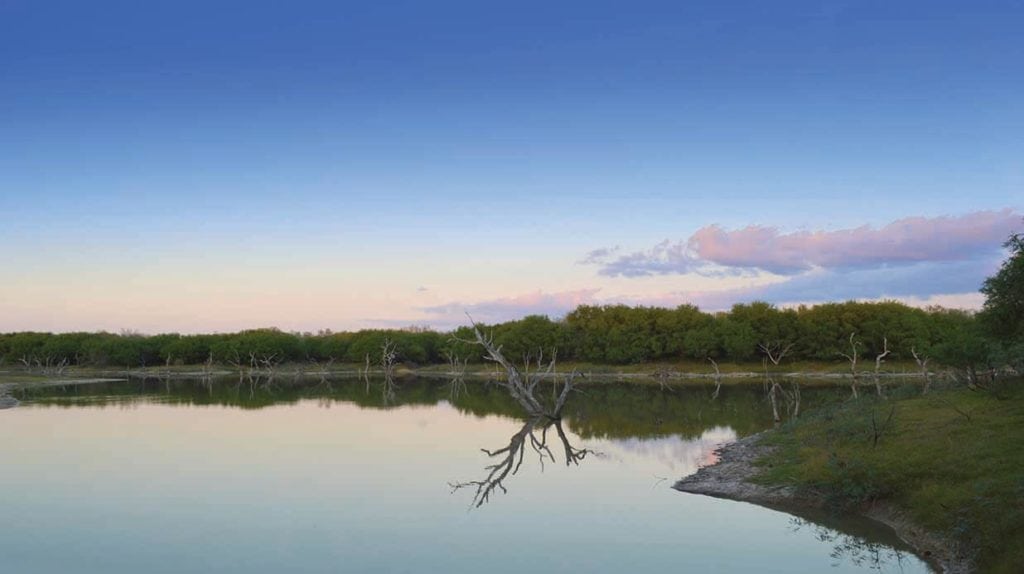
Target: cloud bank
713 250
917 260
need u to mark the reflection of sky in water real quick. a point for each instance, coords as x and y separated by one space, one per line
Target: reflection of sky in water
161 488
674 453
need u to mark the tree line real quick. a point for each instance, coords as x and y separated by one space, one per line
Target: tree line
608 334
611 334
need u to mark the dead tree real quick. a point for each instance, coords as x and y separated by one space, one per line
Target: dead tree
521 384
366 373
718 379
388 357
853 362
774 351
54 367
878 364
238 364
922 363
388 361
259 362
208 365
457 372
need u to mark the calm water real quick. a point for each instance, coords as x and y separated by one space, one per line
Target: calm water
309 476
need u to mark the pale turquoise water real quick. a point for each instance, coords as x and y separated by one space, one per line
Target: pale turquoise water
148 478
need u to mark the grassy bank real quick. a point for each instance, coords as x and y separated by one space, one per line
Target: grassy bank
953 460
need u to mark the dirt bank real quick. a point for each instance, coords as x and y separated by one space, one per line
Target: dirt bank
732 478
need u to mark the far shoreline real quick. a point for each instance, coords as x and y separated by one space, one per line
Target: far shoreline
674 374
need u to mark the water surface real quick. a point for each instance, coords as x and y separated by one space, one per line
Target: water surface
322 476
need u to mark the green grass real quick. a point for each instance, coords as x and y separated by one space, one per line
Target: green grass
953 459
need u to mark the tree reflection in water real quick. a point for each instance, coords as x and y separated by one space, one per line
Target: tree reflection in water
534 434
855 550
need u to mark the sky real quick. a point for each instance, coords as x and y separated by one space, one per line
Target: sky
215 166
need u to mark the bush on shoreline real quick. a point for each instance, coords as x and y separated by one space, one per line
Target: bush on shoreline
605 335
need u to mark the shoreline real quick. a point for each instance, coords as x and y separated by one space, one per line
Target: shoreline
25 378
7 387
731 479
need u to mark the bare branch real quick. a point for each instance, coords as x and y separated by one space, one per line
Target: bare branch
878 364
922 363
775 351
853 361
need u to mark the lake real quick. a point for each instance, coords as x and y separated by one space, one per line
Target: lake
308 475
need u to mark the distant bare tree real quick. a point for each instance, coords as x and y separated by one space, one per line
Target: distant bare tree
879 359
263 361
853 362
366 373
388 357
457 372
774 351
922 363
388 362
208 365
47 364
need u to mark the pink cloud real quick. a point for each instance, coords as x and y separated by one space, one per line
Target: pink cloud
907 241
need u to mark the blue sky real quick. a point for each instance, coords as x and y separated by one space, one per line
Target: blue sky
213 166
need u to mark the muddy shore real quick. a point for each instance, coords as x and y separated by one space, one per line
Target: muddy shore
732 477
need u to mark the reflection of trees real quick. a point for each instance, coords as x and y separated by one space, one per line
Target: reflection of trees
7 401
603 411
533 434
852 549
457 373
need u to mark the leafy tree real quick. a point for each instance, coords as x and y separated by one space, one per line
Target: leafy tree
1004 293
530 334
739 339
